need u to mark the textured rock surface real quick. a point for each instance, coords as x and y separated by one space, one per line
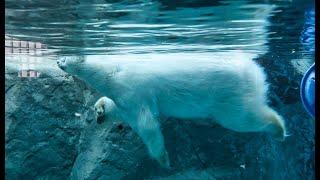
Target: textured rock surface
42 130
51 133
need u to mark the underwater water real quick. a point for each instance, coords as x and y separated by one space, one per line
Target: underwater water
50 126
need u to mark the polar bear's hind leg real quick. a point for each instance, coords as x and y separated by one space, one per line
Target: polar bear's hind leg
276 126
261 119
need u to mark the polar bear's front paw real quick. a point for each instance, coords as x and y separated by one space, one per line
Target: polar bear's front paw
102 108
99 112
164 160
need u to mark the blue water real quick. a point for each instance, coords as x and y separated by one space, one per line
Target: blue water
279 33
73 27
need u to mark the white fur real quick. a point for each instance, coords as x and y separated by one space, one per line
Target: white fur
225 88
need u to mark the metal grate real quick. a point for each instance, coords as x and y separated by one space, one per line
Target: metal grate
27 53
16 46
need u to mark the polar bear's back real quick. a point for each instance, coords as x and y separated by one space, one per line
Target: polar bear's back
193 87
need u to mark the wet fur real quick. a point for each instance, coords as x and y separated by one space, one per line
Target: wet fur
224 88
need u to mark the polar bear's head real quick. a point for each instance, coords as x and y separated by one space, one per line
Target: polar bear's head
70 64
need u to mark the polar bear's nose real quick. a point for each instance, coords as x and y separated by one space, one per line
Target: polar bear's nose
61 63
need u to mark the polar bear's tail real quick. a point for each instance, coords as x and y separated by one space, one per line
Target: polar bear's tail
276 124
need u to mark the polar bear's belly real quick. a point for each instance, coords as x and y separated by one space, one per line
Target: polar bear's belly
205 100
186 107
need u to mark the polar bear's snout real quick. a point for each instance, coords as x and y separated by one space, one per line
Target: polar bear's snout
62 63
68 63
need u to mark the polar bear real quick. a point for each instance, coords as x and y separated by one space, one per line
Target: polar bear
224 88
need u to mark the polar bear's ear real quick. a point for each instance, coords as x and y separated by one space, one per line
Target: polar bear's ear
80 59
74 60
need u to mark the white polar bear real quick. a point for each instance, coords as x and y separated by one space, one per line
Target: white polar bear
224 88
